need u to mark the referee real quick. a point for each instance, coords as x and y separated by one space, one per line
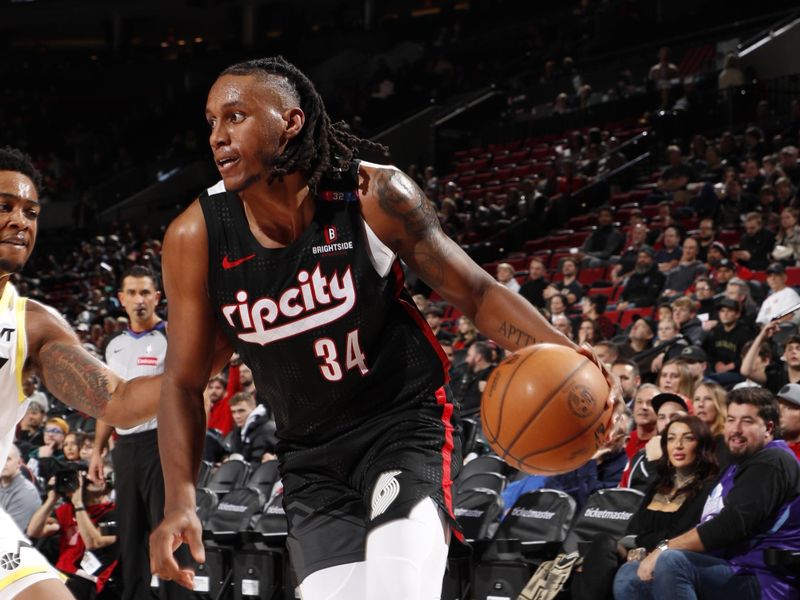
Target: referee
139 483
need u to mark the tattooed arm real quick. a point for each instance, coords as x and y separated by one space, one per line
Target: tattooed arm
80 380
405 220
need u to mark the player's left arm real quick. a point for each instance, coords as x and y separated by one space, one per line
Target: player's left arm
402 217
82 381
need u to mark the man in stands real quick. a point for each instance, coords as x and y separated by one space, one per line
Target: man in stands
570 287
505 275
645 284
18 496
640 338
629 378
781 297
254 434
706 232
607 352
671 252
605 241
533 287
469 389
680 278
684 313
627 260
725 341
704 291
777 373
755 505
433 315
644 419
789 405
756 244
677 173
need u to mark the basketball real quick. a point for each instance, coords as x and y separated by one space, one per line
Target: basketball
544 409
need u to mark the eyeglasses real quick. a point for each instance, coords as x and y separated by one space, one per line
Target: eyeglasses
54 430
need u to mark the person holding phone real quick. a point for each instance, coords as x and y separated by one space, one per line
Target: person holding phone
775 374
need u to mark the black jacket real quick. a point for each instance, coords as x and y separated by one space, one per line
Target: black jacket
259 437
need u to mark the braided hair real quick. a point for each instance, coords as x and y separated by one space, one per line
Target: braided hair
321 145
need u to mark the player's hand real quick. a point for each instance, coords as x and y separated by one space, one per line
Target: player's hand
95 472
178 527
615 389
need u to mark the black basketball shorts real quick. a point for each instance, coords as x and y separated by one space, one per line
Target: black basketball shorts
335 493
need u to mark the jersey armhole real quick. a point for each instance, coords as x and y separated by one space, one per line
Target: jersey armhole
22 345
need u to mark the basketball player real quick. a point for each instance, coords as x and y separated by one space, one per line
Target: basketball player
295 256
34 339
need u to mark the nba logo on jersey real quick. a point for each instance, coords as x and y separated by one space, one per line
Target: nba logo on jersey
330 234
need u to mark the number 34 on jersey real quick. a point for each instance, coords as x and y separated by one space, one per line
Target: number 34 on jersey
332 364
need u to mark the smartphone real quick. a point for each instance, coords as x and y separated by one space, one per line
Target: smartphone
786 313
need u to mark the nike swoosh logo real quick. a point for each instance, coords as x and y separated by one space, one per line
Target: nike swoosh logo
230 264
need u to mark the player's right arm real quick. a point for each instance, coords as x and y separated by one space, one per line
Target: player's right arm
181 415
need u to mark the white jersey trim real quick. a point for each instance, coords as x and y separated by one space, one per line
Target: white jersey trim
379 253
217 188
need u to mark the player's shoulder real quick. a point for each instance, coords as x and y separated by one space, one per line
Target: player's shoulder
189 227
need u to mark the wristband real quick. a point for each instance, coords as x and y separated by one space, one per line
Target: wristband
663 545
79 508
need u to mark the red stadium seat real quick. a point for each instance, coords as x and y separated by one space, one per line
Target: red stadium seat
792 276
589 275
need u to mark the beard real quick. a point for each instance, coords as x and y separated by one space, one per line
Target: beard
641 269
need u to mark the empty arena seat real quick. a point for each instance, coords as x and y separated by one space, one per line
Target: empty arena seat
231 474
206 501
487 463
264 477
272 523
233 514
476 510
204 474
490 481
606 511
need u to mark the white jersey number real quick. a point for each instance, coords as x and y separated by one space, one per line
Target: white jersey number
331 369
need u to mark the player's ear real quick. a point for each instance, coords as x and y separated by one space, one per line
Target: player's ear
294 119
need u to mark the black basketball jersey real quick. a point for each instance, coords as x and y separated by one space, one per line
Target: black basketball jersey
325 324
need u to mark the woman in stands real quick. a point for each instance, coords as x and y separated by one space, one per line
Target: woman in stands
589 332
676 377
710 406
686 473
467 334
787 241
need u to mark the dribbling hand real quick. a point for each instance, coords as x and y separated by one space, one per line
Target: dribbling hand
615 396
178 527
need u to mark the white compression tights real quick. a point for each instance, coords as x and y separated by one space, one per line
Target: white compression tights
405 560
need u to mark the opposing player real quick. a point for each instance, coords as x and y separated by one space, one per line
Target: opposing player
35 339
295 256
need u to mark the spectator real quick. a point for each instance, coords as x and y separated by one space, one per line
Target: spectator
470 388
253 437
607 352
734 203
706 305
752 178
534 286
789 165
662 75
684 312
466 334
709 405
715 253
756 244
627 260
505 276
679 279
593 307
789 405
570 287
43 461
433 315
787 240
731 74
564 325
724 343
641 470
30 434
753 506
604 242
671 253
640 338
644 285
627 372
556 306
30 387
18 496
85 553
676 378
706 232
677 173
781 297
589 332
776 373
785 192
219 391
644 419
72 446
696 360
761 360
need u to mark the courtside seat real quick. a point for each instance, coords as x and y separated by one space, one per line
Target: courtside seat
229 475
607 511
264 477
490 481
475 510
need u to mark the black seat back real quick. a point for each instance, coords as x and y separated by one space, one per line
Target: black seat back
206 503
475 510
264 477
272 520
231 474
487 463
235 511
486 481
607 511
539 516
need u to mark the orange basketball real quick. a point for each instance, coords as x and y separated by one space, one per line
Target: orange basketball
544 409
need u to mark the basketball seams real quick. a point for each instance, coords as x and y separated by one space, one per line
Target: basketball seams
508 381
543 405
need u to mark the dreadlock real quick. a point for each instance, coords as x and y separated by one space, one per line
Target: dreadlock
15 160
321 145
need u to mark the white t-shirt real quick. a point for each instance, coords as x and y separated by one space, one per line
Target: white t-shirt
776 303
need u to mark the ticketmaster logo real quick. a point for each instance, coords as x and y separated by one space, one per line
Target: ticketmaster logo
227 506
533 514
615 515
468 512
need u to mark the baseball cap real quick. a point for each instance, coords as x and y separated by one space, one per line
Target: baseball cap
726 263
693 353
791 393
719 246
650 323
660 399
729 303
776 267
648 250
